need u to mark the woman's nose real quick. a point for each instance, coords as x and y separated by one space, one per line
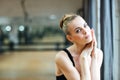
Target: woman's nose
84 31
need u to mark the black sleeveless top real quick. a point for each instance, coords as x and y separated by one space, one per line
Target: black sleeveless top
62 77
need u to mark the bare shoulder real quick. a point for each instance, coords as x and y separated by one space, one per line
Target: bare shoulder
65 66
62 59
59 60
60 56
63 62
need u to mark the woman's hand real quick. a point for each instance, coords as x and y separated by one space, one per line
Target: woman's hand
85 58
90 47
93 54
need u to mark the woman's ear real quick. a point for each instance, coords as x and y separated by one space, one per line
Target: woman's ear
69 38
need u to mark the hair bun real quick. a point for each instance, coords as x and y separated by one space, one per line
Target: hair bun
64 18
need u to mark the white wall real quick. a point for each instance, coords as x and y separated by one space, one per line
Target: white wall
12 8
39 11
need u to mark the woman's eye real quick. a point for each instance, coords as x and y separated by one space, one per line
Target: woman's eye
77 31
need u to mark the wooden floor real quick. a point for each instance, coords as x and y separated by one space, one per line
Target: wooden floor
27 65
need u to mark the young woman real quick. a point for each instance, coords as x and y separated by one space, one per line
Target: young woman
82 60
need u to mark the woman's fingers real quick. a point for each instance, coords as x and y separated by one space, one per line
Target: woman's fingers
94 38
89 48
94 42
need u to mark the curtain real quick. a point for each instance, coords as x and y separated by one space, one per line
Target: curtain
90 12
86 12
107 39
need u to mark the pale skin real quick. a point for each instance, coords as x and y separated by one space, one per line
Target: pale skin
87 57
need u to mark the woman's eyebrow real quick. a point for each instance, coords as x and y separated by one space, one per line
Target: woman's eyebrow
76 28
85 23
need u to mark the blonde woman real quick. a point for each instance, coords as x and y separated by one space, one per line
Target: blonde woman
82 60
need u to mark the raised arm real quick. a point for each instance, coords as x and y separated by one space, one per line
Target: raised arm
66 67
85 63
96 62
85 60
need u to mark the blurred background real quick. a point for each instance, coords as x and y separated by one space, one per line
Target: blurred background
30 36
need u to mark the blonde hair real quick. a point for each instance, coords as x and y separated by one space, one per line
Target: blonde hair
67 18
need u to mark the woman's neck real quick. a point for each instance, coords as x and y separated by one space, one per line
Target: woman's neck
78 48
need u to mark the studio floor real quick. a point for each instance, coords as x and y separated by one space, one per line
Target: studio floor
27 65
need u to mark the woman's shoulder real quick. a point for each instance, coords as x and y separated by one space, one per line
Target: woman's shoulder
60 56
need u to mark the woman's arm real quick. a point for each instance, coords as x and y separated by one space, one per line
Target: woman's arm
85 63
84 59
85 69
96 62
66 66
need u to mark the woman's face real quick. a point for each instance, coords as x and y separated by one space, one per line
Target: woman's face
80 32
